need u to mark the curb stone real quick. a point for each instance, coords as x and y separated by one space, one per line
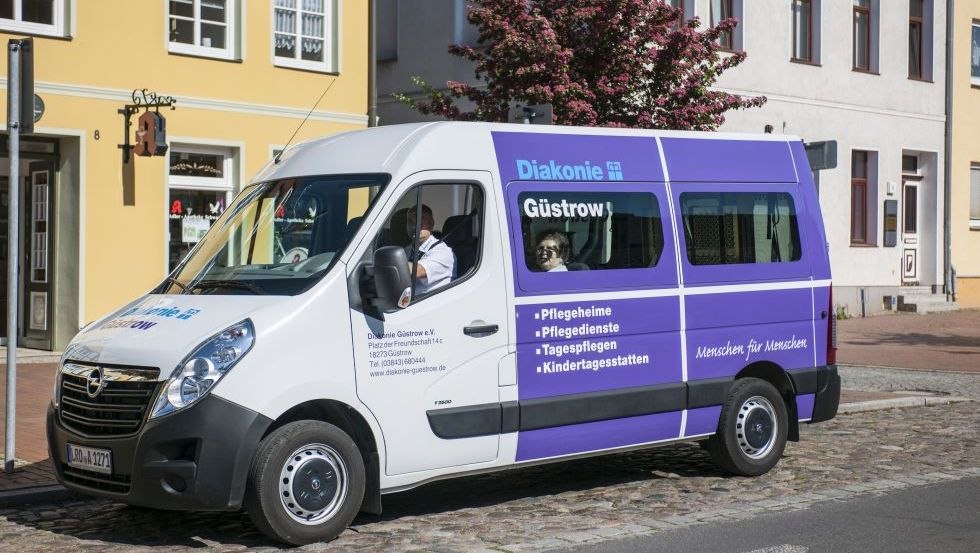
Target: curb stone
57 492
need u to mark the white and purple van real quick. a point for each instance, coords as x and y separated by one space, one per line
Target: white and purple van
387 307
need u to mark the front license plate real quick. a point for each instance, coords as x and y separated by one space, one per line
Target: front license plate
90 458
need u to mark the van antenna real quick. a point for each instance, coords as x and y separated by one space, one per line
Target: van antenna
303 122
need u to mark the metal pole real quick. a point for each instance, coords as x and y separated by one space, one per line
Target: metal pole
13 253
948 285
373 63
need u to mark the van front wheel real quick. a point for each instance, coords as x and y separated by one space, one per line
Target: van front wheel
752 429
306 483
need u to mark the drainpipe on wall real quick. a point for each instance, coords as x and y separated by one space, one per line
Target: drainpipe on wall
372 64
948 165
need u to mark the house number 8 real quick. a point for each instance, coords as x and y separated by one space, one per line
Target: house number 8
97 135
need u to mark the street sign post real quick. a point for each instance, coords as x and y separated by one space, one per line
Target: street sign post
20 119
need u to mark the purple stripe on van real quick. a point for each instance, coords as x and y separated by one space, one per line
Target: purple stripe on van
586 346
698 159
703 420
579 438
804 406
748 308
535 156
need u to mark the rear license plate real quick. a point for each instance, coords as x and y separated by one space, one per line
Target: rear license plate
90 458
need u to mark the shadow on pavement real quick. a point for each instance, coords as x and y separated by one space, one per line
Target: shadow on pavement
910 339
115 523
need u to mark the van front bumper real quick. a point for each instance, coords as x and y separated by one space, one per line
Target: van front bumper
197 459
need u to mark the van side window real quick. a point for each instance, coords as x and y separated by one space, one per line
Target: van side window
441 228
580 231
722 228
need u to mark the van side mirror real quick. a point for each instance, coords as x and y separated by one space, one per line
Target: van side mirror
392 279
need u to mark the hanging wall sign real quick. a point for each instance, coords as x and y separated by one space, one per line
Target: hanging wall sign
151 135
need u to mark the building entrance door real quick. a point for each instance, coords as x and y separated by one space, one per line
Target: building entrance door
910 233
35 275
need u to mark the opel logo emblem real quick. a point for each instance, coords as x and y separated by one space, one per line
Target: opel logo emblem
94 383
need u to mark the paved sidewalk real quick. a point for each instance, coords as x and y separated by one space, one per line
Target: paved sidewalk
935 341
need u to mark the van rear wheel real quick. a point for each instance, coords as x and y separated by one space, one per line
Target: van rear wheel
752 429
306 483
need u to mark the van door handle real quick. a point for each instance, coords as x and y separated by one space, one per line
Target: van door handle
480 330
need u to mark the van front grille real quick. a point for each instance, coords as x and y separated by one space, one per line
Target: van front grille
105 401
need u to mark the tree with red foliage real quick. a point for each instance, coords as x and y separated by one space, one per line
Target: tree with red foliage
611 63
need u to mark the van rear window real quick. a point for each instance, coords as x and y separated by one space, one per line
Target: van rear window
581 231
722 228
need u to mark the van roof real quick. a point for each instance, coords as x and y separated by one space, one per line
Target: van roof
404 149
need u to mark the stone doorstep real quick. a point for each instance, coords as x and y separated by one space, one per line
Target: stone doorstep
36 482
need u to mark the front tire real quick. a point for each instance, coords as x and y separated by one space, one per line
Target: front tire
752 429
306 483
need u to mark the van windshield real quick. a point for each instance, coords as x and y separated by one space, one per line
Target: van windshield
277 237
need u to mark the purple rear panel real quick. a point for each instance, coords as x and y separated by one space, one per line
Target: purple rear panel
728 331
701 160
811 218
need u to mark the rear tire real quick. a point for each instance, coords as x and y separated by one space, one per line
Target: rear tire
752 429
306 483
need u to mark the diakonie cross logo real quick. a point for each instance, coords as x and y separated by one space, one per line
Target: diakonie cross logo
532 169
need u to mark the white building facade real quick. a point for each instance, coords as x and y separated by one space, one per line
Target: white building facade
869 74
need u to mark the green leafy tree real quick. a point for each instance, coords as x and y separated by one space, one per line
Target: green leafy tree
613 63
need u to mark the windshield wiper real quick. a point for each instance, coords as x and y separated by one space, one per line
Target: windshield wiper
173 280
236 284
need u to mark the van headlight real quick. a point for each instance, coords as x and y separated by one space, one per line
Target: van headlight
203 368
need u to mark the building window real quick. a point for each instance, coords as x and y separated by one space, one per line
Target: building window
200 188
975 196
915 39
859 197
721 10
386 13
37 17
306 34
975 54
862 35
203 28
803 30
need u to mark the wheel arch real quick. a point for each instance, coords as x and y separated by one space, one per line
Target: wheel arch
351 421
775 375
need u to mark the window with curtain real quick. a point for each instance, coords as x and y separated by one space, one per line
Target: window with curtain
862 35
915 39
975 195
305 33
859 197
721 10
975 53
803 30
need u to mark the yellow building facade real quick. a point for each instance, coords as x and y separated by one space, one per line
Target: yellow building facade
97 232
965 158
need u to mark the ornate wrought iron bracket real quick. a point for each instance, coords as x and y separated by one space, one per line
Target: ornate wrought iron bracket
145 100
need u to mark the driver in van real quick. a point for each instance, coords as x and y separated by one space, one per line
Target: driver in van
436 265
552 251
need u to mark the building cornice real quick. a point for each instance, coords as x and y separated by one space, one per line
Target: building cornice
192 102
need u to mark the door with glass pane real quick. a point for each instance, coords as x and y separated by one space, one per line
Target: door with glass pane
910 232
36 244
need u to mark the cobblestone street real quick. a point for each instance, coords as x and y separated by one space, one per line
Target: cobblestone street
554 506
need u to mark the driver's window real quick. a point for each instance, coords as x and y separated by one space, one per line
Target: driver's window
441 228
